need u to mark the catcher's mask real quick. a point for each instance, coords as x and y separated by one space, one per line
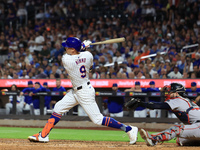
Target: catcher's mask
172 88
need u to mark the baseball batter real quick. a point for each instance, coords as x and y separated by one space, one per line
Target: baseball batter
77 64
187 112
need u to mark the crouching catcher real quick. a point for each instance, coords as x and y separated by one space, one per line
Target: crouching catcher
186 111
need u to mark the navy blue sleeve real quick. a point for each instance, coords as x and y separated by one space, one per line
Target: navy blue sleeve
144 90
188 90
41 89
155 105
63 89
27 90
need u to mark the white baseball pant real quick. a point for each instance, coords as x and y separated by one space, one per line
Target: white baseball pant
190 134
140 113
86 98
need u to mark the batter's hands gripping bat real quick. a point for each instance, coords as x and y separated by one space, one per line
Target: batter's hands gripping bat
86 44
116 40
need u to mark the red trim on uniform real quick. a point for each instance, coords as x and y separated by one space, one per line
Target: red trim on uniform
185 101
178 141
188 118
192 128
195 109
56 115
108 121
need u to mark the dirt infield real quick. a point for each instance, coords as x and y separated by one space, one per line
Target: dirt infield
22 144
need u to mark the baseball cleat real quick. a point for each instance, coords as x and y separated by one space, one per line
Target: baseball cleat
147 137
133 135
38 138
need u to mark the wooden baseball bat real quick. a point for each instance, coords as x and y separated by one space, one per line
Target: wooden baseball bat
117 40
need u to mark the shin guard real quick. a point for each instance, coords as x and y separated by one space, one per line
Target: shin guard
168 134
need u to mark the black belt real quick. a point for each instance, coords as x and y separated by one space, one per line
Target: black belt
80 87
197 121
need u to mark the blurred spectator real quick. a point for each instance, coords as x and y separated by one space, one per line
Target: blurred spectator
115 103
158 58
155 113
137 88
28 99
137 58
47 98
193 88
131 8
175 74
58 88
39 41
139 111
24 75
44 53
22 14
41 74
36 99
3 48
19 103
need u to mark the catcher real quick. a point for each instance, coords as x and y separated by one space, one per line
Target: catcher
188 133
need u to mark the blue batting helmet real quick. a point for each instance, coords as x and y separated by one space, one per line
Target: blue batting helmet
72 42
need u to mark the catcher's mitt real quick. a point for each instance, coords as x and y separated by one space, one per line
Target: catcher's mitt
133 103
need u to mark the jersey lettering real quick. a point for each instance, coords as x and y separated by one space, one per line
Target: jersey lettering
83 71
82 60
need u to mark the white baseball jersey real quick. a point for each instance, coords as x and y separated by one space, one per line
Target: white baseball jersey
77 67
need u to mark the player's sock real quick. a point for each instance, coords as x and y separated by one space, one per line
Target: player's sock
56 117
110 122
52 121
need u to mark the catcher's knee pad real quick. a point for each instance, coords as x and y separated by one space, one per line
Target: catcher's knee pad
178 129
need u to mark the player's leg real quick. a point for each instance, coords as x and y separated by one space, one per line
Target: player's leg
62 106
190 135
152 113
36 111
166 135
19 108
120 114
88 102
158 113
8 107
143 113
136 114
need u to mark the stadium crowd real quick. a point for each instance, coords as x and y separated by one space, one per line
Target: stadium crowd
32 32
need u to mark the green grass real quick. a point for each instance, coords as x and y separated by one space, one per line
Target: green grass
69 134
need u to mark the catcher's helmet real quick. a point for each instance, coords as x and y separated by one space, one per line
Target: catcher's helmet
177 87
72 42
174 87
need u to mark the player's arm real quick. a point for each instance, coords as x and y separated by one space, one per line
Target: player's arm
136 102
41 89
91 68
25 91
132 89
155 105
